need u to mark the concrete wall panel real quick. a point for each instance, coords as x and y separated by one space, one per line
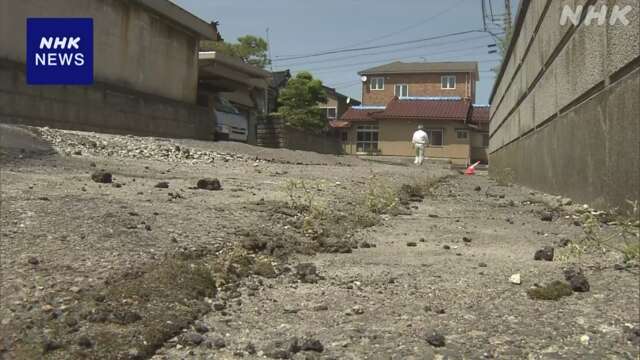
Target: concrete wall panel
590 151
132 46
623 42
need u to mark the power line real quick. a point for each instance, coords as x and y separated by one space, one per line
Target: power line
394 58
379 52
408 27
322 53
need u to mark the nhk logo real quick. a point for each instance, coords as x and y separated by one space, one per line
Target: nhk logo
599 14
59 51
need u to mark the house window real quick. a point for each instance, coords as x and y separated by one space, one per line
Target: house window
377 83
436 136
448 82
331 113
461 134
367 139
485 140
402 90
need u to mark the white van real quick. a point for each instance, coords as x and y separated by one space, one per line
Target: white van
230 123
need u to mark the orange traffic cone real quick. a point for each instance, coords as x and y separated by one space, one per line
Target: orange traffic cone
471 169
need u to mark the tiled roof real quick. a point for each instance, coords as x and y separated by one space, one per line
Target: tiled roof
479 115
428 109
399 67
339 124
361 113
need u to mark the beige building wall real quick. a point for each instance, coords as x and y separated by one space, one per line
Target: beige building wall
133 47
418 85
395 139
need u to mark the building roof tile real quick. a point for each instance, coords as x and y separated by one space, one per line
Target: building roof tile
427 109
399 67
479 115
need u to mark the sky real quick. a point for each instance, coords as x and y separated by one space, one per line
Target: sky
307 27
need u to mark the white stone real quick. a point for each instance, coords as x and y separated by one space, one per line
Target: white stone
515 279
584 339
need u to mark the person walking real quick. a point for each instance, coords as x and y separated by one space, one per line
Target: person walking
419 141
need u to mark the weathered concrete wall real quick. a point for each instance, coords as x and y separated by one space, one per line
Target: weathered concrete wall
565 111
273 133
133 47
101 107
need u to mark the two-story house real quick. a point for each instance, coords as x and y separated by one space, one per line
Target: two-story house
398 97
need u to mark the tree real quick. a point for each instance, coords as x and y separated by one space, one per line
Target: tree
300 100
250 49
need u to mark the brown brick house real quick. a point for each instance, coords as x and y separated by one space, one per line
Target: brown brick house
397 97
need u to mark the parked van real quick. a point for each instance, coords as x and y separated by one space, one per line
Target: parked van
230 123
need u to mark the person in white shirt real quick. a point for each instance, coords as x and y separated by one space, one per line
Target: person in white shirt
420 140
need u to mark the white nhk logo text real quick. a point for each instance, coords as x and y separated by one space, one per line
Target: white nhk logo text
618 14
59 58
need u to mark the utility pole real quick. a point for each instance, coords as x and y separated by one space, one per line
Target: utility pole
269 51
507 19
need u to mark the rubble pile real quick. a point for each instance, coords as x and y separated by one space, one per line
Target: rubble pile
129 146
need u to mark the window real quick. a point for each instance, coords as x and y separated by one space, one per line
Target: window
485 140
448 82
377 83
367 138
402 90
461 133
436 137
331 113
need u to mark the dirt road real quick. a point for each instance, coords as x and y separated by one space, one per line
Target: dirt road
300 260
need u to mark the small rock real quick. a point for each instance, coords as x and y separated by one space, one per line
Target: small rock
162 185
200 327
33 260
618 267
585 340
515 279
74 289
192 338
546 254
307 273
218 342
436 340
250 348
477 188
423 240
482 265
49 345
218 306
466 239
358 310
209 184
85 342
311 345
320 307
564 242
434 216
102 176
446 247
579 283
412 244
546 216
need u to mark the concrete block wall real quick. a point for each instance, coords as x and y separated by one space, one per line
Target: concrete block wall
101 107
133 47
565 110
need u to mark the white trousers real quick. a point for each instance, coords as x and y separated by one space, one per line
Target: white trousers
419 154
